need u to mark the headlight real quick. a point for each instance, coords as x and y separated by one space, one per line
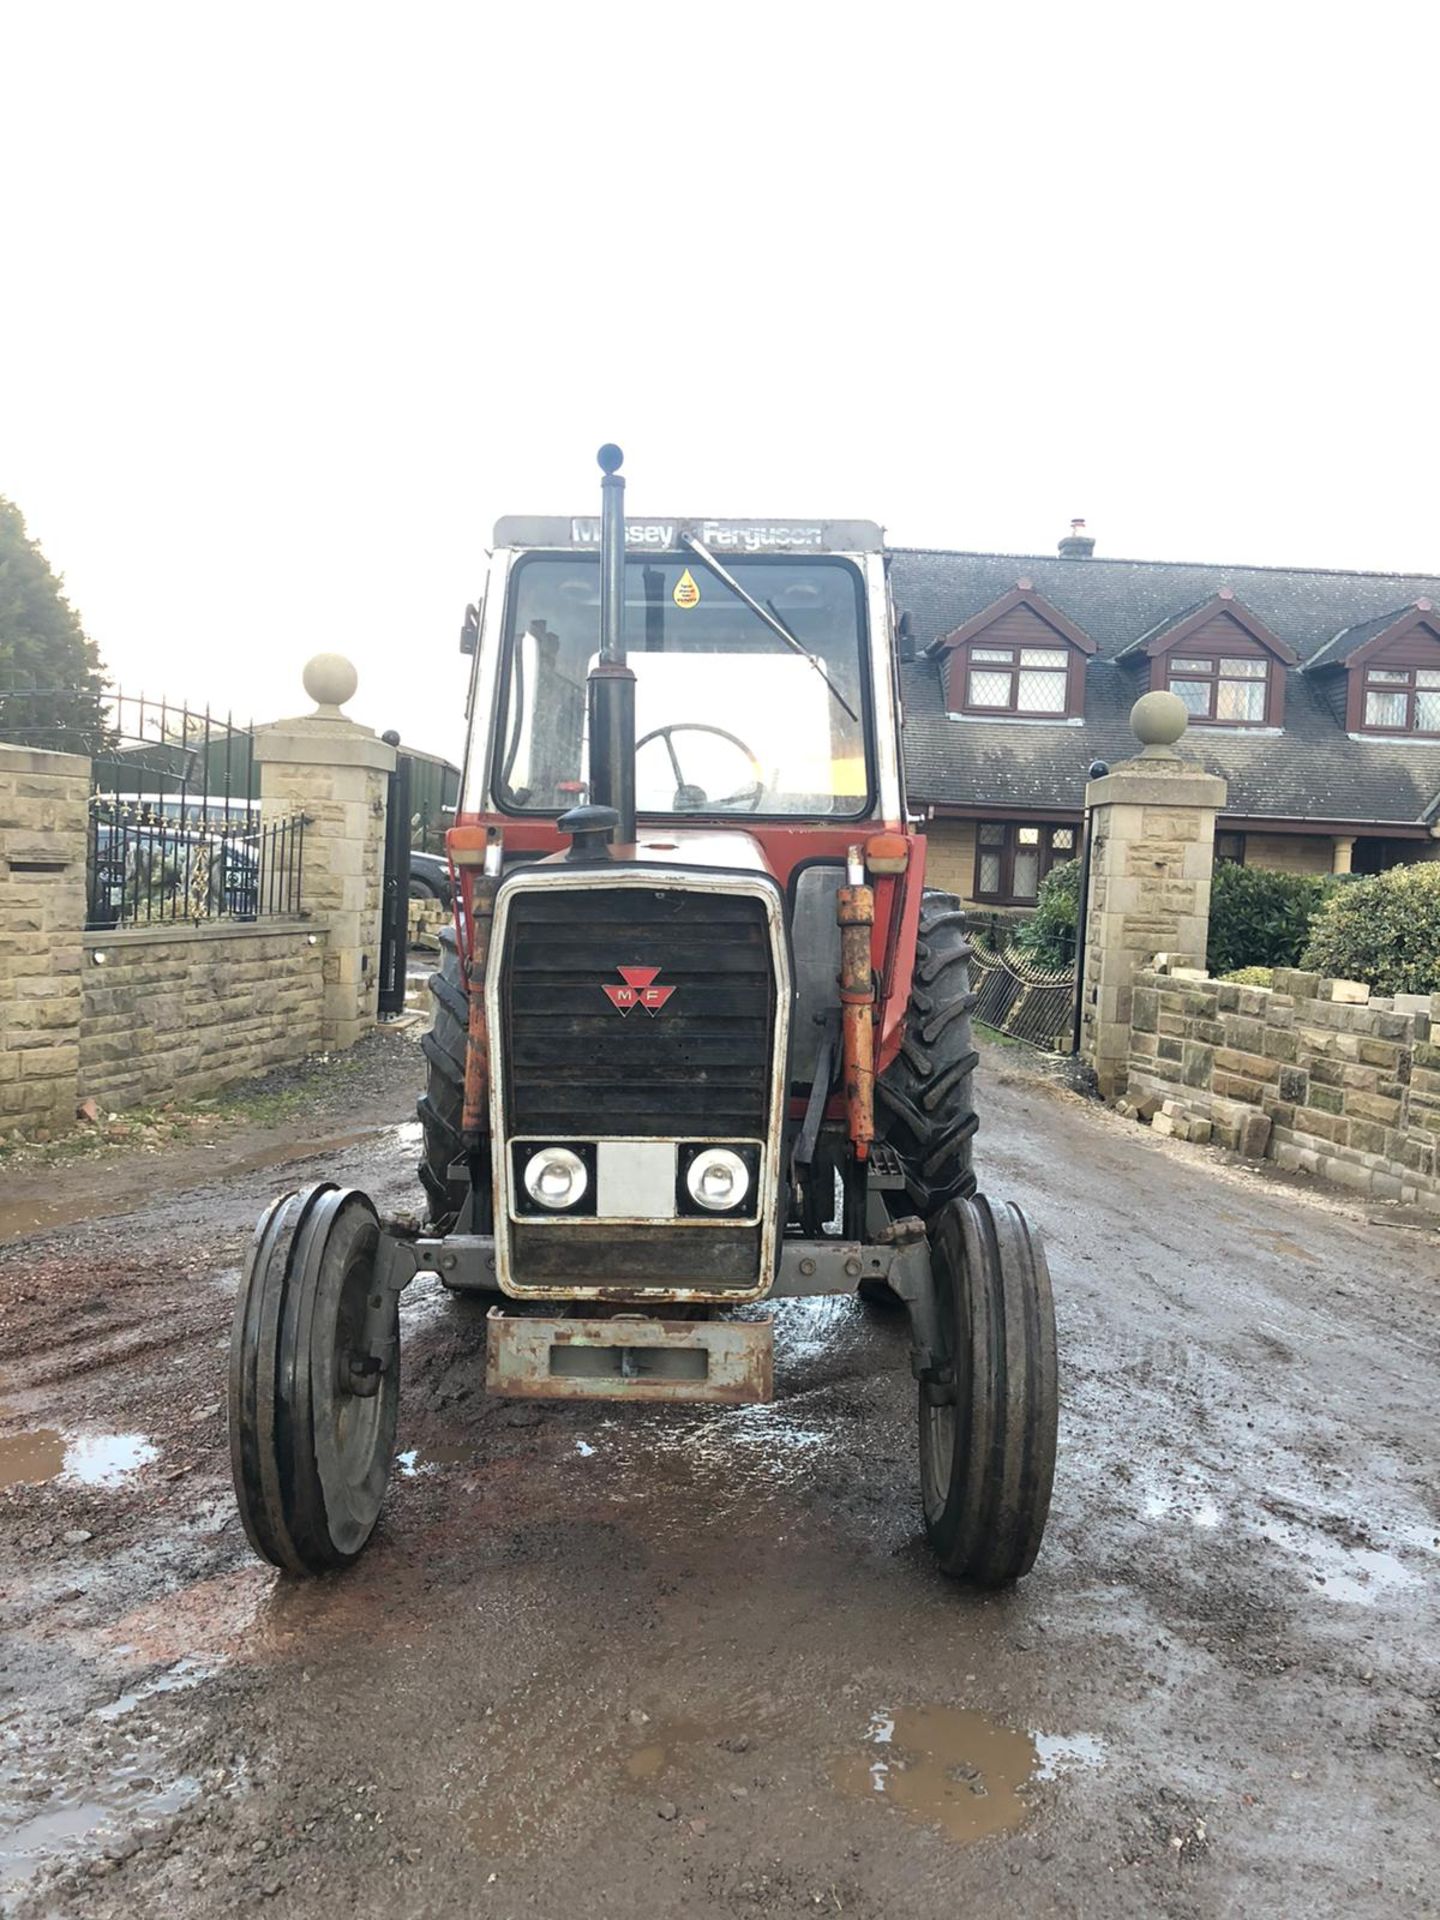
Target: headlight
717 1180
555 1177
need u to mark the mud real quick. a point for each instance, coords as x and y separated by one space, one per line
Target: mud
624 1661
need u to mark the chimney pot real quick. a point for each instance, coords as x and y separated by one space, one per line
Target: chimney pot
1077 544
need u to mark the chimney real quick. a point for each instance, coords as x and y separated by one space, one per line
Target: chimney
1077 544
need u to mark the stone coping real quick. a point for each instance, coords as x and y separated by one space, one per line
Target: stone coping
119 937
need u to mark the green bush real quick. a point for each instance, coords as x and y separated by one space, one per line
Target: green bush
1048 936
1259 918
1251 976
1384 930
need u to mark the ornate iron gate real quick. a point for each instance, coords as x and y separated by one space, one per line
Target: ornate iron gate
1017 996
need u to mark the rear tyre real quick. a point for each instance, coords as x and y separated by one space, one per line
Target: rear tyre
314 1381
925 1105
441 1106
989 1397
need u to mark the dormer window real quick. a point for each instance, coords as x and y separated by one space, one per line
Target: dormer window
1402 700
1016 679
1018 659
1391 666
1226 689
1225 665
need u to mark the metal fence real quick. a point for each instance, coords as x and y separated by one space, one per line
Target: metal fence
147 867
1017 995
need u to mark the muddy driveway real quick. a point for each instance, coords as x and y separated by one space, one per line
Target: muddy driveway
644 1662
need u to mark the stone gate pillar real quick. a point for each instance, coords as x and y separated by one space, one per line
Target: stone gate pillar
334 771
1152 827
43 799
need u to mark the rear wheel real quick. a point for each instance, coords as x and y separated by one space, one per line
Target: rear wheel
314 1381
925 1103
989 1394
441 1106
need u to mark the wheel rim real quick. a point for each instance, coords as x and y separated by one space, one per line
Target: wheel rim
354 1418
942 1400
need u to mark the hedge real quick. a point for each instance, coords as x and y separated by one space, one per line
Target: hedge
1048 936
1384 930
1259 918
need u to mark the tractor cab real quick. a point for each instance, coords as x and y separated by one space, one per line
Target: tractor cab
701 1038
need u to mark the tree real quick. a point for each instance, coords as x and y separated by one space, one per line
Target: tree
51 679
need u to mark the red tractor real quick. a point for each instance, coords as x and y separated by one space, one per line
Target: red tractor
701 1038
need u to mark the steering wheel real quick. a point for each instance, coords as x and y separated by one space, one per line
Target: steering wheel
693 799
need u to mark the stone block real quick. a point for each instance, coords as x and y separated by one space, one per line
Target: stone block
1349 993
1144 1009
1369 1106
1322 1124
1232 1087
1228 997
1170 1049
1254 1135
1294 1085
1276 1044
1245 1033
1163 1124
1254 1066
1196 1064
1326 1099
1201 1131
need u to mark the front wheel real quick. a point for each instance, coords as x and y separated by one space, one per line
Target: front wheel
989 1393
314 1381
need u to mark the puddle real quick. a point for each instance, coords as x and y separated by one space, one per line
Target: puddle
177 1679
131 1796
413 1462
83 1459
1187 1500
957 1769
665 1746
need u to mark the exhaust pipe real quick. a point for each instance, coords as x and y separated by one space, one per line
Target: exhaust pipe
611 688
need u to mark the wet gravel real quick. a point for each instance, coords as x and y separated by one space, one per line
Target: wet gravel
608 1660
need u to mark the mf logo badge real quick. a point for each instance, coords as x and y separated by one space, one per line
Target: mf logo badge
639 990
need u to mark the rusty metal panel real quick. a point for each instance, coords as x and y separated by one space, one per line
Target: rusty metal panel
625 1357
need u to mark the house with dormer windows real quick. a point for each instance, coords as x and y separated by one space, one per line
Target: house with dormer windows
1316 694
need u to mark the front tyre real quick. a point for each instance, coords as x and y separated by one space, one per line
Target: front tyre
989 1393
314 1381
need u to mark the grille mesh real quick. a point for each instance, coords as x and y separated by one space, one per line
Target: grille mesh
574 1065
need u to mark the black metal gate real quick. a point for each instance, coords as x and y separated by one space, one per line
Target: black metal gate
1020 998
395 899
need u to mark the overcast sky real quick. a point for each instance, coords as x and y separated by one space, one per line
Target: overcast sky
298 299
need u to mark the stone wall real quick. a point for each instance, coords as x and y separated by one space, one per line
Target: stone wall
42 908
950 857
1290 852
176 1013
1311 1073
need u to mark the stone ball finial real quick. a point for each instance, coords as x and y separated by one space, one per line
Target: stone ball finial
330 680
1157 721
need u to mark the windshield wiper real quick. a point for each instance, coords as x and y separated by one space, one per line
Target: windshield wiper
768 615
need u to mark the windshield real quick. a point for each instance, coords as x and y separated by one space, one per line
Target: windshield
729 717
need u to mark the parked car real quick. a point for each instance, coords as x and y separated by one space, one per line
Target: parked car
141 872
429 877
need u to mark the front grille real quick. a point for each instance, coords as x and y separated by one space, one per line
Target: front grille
574 1065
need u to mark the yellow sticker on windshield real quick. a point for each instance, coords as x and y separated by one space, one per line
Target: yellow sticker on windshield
686 593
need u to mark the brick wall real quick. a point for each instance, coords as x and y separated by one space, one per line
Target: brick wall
1311 1073
950 857
1289 852
176 1013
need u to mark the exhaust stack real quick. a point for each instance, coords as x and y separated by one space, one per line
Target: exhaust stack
611 688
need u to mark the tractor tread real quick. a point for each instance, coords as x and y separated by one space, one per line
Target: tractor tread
924 1099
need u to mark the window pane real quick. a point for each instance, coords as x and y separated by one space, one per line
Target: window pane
992 653
1240 700
1042 657
1042 692
1385 709
1028 836
1192 666
1386 676
1243 669
992 834
1427 679
1062 839
1427 712
1194 694
989 873
1027 874
1230 846
989 689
